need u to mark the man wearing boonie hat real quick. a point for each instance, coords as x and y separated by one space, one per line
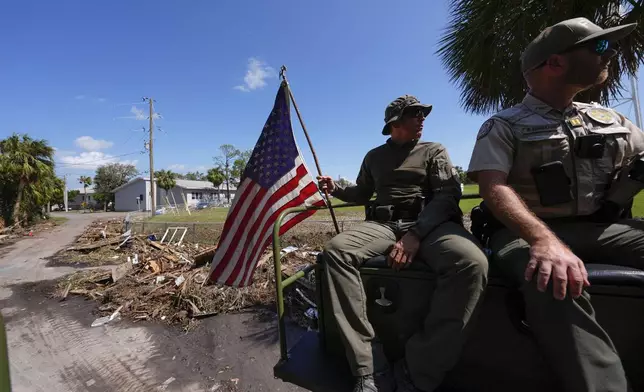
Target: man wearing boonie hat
415 218
546 169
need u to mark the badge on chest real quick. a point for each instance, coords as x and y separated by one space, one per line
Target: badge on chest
601 116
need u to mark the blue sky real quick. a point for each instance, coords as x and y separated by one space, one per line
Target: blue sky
74 72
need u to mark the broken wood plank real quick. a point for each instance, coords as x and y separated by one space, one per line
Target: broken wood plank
205 257
203 315
99 235
17 224
79 292
171 257
96 245
156 245
264 258
156 268
195 309
120 271
66 293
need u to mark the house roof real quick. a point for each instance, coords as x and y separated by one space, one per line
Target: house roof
130 182
185 184
90 190
190 184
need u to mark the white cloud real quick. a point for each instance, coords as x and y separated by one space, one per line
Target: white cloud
202 168
177 167
79 97
90 160
88 143
139 114
101 100
256 75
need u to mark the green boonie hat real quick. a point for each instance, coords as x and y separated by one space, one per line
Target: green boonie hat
565 34
396 108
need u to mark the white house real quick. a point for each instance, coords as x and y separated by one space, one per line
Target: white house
136 194
75 203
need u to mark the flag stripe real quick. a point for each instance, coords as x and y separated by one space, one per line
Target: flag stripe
257 249
249 210
225 260
307 191
292 221
282 195
232 213
232 220
241 205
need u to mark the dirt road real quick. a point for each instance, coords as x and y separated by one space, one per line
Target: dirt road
53 348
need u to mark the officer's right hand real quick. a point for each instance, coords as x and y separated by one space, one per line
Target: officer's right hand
554 259
326 183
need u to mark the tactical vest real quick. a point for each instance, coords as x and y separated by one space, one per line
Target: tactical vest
540 140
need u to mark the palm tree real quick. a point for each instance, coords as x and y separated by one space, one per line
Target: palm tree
484 39
165 180
86 181
26 161
217 177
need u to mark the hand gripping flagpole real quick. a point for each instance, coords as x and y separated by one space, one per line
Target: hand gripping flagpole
308 139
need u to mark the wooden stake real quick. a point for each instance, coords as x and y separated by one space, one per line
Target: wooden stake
308 139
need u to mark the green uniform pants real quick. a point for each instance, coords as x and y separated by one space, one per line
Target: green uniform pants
461 266
579 350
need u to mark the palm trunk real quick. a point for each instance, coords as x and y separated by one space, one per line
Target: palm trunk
16 206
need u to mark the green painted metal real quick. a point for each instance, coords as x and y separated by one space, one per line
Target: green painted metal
281 285
5 380
298 275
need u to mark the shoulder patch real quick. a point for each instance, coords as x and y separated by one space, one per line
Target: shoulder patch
601 115
485 129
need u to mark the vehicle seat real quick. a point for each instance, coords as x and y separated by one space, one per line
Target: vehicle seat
381 262
598 274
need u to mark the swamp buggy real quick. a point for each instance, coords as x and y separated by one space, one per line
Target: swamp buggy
500 354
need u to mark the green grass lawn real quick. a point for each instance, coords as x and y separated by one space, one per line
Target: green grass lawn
219 214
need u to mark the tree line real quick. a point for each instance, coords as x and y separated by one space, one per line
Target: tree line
228 170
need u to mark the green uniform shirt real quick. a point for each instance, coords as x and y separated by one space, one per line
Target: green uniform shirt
398 174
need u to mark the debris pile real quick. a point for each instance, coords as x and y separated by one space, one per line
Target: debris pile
99 244
11 234
165 281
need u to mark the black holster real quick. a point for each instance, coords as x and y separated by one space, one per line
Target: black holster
484 224
393 212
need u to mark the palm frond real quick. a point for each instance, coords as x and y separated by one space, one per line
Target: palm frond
482 45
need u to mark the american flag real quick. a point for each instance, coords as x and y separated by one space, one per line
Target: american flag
274 179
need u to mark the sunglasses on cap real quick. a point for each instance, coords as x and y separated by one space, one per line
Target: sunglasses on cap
413 113
599 47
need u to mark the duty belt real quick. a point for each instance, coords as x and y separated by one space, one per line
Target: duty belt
392 213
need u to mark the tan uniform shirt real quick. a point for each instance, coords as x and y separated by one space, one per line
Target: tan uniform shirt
398 174
532 133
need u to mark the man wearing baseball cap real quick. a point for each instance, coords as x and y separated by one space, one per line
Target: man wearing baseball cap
546 172
415 219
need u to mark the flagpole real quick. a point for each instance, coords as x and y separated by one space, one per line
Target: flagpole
308 139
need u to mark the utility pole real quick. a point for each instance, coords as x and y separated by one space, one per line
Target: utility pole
636 101
151 151
65 192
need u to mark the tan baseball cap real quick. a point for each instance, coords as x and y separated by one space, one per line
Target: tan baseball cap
566 34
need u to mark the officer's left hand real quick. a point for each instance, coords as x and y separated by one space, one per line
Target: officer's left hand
403 252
